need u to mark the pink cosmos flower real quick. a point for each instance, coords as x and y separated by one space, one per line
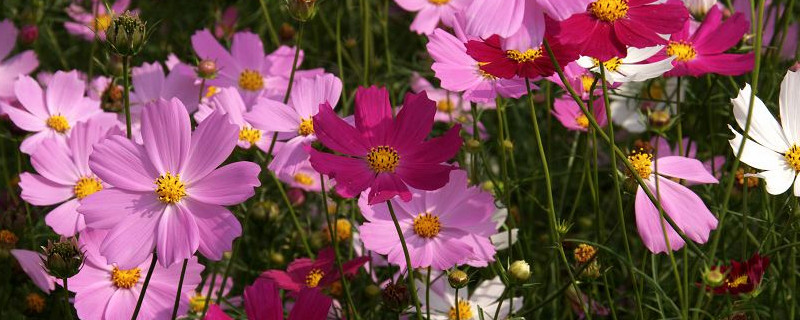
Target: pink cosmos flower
108 291
458 72
229 101
169 194
570 115
227 25
150 84
442 228
294 121
451 107
31 264
384 153
772 18
262 301
507 64
11 68
305 178
88 24
702 51
685 208
713 165
607 27
580 79
431 12
247 68
64 176
51 113
306 273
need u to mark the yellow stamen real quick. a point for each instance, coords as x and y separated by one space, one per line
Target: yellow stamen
344 230
587 82
197 302
609 10
211 91
427 225
102 22
528 55
445 106
58 123
303 179
740 280
464 311
584 252
86 186
682 51
248 134
125 279
306 127
383 159
439 2
642 163
610 65
792 157
582 121
313 277
251 80
170 188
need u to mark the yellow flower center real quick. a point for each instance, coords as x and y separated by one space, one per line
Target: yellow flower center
58 123
439 2
248 134
383 159
485 74
642 163
587 82
682 51
306 127
197 302
792 157
102 22
609 10
303 179
740 280
582 121
86 186
343 230
520 57
464 311
610 65
445 106
313 277
34 302
251 80
125 279
427 225
170 188
211 91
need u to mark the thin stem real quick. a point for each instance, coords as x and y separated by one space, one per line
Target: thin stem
178 294
333 231
297 47
458 312
293 215
273 36
207 301
126 92
67 307
428 295
411 284
144 287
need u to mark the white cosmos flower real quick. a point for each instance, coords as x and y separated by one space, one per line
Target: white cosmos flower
632 68
770 147
631 113
699 7
485 296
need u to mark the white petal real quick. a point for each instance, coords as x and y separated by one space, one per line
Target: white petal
764 128
585 62
790 102
640 54
642 72
778 180
756 155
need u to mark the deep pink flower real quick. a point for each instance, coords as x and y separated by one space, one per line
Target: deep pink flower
247 68
31 264
442 228
702 51
227 25
742 277
51 113
608 27
88 24
19 64
108 291
430 12
384 153
570 115
507 64
169 194
64 176
307 273
262 301
685 208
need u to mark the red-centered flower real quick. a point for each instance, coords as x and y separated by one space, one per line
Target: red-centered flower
743 277
307 273
384 153
531 63
608 26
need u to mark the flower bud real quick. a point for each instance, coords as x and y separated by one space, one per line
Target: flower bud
584 252
592 271
8 240
34 303
713 277
508 145
563 227
207 69
458 279
488 186
473 145
395 297
520 271
296 196
277 258
111 98
28 34
302 10
372 290
659 118
286 32
127 34
62 259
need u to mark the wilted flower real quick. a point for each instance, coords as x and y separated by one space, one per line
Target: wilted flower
395 296
63 259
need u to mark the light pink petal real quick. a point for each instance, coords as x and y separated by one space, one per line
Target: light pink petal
413 5
31 263
685 168
91 304
121 304
32 142
64 92
108 207
291 155
217 226
488 17
449 252
24 120
148 82
40 191
687 210
208 48
426 20
20 64
273 116
166 132
531 33
31 96
248 50
65 219
123 164
54 161
178 237
562 9
279 62
8 37
212 143
132 240
83 137
229 185
309 93
649 224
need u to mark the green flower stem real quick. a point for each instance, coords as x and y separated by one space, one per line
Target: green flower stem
144 287
206 302
126 94
411 285
333 231
67 307
273 36
178 294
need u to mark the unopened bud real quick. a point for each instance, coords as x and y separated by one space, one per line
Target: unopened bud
34 303
302 10
458 279
520 271
343 231
508 145
207 69
563 227
372 290
286 32
111 98
8 240
659 118
713 277
127 34
473 145
277 258
296 196
592 271
488 186
584 252
28 34
62 259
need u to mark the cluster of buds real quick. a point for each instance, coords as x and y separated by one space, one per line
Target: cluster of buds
62 259
127 34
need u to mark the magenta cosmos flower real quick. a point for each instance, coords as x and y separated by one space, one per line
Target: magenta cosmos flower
90 24
507 64
607 27
262 301
53 113
703 51
442 228
169 194
572 117
458 72
685 208
247 68
229 101
11 68
307 273
430 12
383 153
294 121
107 291
64 176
